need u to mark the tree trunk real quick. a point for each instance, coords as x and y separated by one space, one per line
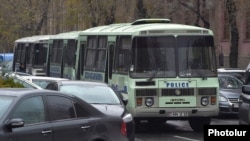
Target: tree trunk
233 56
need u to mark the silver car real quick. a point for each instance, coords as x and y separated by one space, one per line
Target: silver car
230 89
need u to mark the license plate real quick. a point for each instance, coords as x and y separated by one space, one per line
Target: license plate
177 114
236 105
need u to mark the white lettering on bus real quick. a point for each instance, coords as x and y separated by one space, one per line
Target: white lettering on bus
177 84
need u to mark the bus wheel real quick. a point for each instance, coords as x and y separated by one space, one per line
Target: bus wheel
197 123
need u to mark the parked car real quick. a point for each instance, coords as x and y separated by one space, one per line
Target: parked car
237 72
42 81
19 79
244 106
32 114
101 96
230 89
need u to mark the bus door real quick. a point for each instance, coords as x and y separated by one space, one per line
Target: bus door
121 55
80 60
69 59
109 62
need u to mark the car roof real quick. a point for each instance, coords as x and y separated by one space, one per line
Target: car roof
20 78
44 77
63 82
20 91
228 75
231 70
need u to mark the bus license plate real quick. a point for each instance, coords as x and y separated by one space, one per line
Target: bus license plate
177 114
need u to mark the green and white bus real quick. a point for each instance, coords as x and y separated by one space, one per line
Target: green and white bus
61 57
167 71
31 52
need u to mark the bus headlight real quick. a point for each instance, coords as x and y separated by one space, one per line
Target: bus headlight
149 101
204 101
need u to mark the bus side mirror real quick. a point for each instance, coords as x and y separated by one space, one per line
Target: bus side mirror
221 59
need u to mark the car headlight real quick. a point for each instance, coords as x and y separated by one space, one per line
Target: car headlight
149 101
222 98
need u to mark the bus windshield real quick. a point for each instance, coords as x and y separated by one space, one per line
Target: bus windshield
196 56
169 56
39 54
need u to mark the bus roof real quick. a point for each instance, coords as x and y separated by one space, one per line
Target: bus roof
33 39
142 26
66 35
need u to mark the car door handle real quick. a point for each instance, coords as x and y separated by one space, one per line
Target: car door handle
46 132
85 127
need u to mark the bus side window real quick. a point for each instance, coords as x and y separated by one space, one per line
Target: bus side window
123 61
123 55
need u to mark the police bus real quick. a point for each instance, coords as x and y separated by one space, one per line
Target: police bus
167 71
61 57
31 52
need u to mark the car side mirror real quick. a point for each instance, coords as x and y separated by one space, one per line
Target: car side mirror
16 122
246 89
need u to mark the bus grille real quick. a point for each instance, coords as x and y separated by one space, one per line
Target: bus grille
183 92
207 91
146 92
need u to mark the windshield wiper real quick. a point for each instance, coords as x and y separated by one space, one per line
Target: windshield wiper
153 75
191 67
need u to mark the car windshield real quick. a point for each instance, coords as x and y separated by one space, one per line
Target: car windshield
92 94
42 83
5 102
227 82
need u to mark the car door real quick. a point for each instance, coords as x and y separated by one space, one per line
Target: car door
244 106
66 125
36 128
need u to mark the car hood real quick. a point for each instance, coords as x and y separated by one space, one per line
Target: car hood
113 110
230 93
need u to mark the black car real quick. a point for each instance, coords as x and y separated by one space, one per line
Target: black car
101 96
44 115
244 106
230 89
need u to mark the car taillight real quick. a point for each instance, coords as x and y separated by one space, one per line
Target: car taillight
124 128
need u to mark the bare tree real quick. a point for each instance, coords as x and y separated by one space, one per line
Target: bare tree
196 10
141 11
233 57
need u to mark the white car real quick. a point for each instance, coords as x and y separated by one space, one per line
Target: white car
42 81
26 83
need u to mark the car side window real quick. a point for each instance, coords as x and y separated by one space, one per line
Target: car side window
80 111
31 110
52 86
60 108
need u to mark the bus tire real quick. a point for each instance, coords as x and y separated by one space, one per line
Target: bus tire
197 123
